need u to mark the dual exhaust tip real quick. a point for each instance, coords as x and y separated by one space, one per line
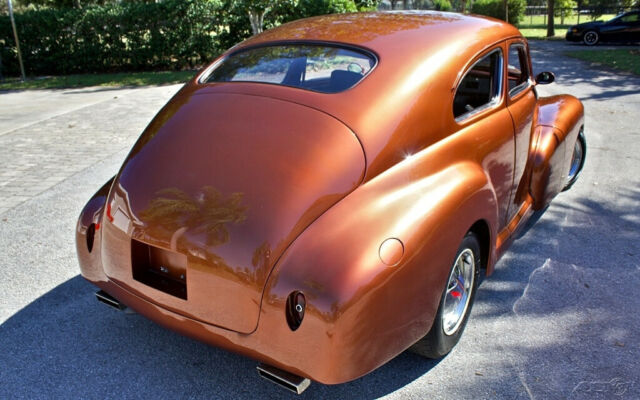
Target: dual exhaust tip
109 300
287 380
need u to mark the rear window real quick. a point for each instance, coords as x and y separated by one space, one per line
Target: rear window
320 68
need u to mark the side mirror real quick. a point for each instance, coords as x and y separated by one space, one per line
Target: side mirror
545 78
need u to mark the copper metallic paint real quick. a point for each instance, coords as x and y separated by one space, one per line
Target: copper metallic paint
268 190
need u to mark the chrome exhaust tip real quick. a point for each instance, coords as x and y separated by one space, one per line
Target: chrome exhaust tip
107 299
289 381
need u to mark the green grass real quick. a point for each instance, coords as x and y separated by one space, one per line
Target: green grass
84 80
535 27
622 59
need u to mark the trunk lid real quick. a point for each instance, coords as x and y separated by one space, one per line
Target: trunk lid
212 194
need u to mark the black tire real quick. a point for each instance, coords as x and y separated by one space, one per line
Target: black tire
591 38
577 161
437 343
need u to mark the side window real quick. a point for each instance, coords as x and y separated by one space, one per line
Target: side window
518 69
481 86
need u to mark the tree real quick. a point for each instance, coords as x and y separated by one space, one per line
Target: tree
505 6
367 5
256 11
496 9
308 8
550 12
564 8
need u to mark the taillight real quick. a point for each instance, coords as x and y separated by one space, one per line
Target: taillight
296 305
90 235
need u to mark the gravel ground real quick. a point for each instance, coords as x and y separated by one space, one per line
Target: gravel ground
555 321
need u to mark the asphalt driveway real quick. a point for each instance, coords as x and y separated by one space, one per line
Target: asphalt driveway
558 319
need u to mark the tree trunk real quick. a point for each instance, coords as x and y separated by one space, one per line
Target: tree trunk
463 6
257 20
506 10
550 28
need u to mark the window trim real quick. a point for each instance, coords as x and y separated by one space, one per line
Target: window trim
516 90
202 79
497 97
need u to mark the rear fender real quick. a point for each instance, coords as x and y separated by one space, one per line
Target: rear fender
90 224
369 311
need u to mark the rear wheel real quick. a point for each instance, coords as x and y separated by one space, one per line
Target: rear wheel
590 38
455 303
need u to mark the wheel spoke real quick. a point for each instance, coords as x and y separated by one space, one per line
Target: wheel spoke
457 293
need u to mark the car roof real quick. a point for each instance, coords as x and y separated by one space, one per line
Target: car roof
421 55
397 33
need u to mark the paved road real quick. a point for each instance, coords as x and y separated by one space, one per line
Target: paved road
558 319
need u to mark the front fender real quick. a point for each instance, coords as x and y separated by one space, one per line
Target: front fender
362 312
559 120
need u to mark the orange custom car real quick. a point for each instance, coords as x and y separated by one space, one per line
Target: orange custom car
325 194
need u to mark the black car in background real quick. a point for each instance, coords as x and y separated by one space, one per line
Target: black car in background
623 28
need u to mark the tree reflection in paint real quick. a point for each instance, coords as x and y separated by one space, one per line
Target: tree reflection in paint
206 214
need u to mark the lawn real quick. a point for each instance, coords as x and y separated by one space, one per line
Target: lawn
84 80
534 27
622 59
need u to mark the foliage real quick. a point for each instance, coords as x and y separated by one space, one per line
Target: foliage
442 5
173 34
76 36
495 9
599 7
561 5
369 5
322 7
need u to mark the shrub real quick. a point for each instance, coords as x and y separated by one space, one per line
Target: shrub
137 36
495 9
442 5
125 36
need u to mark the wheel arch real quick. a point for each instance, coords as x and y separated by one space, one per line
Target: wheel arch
482 231
335 262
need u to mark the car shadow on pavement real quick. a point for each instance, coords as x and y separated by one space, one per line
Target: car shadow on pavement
66 344
563 301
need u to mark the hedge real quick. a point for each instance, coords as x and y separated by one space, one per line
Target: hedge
173 34
137 36
495 9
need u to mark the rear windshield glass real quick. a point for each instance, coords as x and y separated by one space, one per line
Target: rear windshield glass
320 68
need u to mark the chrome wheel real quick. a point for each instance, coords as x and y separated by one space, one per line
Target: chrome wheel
590 38
456 300
458 294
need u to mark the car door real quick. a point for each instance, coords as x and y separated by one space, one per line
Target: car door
632 33
621 28
480 112
521 102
